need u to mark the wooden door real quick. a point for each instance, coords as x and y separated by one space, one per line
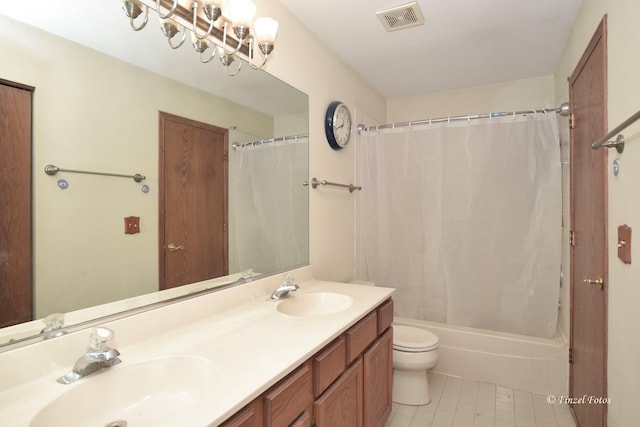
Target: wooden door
589 224
193 201
378 374
15 203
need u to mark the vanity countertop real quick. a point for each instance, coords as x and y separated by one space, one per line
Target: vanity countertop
252 345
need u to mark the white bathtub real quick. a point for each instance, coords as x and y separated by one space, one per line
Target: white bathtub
526 363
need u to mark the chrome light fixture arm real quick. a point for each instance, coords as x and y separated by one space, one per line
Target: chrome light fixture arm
133 9
226 60
265 48
201 46
225 26
171 11
211 11
170 29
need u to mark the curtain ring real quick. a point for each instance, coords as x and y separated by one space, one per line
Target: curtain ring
514 115
429 121
377 129
468 119
490 116
410 125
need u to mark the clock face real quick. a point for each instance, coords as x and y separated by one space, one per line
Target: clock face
338 125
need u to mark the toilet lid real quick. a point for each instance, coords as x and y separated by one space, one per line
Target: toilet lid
412 339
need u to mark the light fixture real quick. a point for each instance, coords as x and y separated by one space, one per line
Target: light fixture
218 27
133 9
170 29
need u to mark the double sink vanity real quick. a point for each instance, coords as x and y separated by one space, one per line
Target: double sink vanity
233 357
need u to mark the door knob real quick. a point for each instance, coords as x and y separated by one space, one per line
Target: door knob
599 282
172 247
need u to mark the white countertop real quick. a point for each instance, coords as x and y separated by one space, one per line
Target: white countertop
251 344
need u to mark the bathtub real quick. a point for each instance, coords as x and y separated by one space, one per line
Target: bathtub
533 364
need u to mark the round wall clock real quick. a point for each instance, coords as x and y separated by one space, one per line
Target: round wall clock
337 125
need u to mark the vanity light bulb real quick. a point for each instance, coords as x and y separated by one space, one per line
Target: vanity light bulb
241 12
266 30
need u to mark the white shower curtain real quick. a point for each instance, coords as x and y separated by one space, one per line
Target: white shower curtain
464 219
268 206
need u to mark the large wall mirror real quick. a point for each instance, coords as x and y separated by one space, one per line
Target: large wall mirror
100 92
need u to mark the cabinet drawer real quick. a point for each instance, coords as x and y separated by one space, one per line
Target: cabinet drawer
361 335
328 365
385 316
290 398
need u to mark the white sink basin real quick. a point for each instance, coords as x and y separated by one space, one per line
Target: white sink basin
314 304
145 394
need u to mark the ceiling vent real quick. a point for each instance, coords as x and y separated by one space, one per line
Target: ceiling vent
400 17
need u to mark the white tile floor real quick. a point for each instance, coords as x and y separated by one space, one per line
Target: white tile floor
457 402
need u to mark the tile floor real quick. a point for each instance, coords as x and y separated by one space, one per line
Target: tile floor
457 402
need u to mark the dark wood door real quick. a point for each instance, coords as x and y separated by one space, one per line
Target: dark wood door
193 201
15 204
589 225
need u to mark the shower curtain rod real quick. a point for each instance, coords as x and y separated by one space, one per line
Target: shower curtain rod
563 110
291 138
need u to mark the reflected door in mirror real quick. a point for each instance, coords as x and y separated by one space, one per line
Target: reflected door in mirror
15 204
193 201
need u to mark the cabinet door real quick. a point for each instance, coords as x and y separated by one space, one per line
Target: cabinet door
378 371
341 404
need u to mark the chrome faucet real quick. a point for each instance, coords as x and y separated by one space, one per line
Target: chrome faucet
286 287
97 357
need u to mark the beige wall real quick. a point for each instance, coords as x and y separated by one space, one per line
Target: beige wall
624 203
505 96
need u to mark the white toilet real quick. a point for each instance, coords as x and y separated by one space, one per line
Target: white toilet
415 350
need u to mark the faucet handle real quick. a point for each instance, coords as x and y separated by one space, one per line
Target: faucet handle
99 336
288 279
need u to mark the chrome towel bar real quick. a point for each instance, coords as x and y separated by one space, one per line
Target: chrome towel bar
52 170
315 182
619 141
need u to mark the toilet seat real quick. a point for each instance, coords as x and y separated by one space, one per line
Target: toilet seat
413 340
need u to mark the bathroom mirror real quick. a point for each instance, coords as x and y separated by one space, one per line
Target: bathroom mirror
99 90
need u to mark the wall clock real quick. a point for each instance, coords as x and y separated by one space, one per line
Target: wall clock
337 125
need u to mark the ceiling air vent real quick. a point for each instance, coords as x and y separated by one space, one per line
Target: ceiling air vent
400 17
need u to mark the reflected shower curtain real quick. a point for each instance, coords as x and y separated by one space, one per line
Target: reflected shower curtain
268 206
464 220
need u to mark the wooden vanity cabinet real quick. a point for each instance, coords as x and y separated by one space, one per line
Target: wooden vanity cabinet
346 384
361 396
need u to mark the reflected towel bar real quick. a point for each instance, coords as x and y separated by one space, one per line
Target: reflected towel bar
619 141
52 170
315 182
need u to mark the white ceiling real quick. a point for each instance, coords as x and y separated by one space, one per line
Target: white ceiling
462 43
